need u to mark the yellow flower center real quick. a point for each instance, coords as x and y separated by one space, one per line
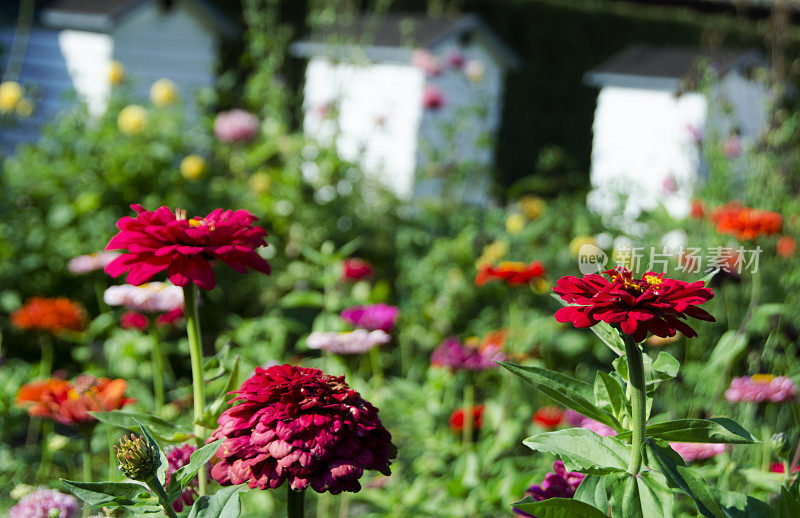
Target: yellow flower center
514 266
194 222
762 378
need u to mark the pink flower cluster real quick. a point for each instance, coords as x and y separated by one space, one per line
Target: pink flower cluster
691 451
177 458
377 316
354 342
236 126
455 355
761 387
46 503
300 426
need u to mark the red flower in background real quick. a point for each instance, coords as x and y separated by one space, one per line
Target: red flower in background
513 273
302 427
70 403
746 223
52 315
354 269
786 246
457 419
548 417
637 306
698 210
185 248
133 320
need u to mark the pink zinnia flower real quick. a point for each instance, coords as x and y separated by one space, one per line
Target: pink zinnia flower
163 240
455 59
170 317
46 503
652 304
427 62
236 126
177 458
377 316
691 451
303 427
455 355
761 387
151 297
91 262
732 147
432 98
355 342
603 430
559 484
133 320
355 269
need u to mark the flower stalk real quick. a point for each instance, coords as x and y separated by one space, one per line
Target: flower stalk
469 417
157 360
636 388
295 502
196 355
158 490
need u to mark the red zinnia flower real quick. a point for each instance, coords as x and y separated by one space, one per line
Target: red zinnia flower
133 320
52 315
70 403
301 426
166 240
514 273
354 269
457 419
786 246
637 306
746 223
548 417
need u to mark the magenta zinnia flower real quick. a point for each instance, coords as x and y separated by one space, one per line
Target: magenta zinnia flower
46 503
177 458
300 426
560 484
377 316
691 451
165 240
761 387
637 306
236 126
452 353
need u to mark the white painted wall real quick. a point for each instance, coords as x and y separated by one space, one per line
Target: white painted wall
641 139
88 58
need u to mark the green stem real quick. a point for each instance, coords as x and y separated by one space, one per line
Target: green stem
158 490
157 361
86 457
196 355
638 402
112 457
47 457
344 505
375 362
294 502
46 365
466 430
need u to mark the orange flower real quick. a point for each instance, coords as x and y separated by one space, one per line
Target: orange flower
70 403
548 417
786 246
52 315
698 209
495 340
514 273
746 223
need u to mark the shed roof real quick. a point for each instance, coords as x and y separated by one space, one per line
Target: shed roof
104 15
392 37
667 68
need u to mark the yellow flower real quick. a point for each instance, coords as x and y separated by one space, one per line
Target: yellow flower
576 244
260 182
515 223
163 93
132 119
532 206
193 167
24 107
10 95
492 253
116 73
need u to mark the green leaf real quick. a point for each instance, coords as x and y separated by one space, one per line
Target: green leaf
715 430
558 508
564 390
592 491
787 506
737 505
709 276
214 367
645 496
164 430
111 494
663 368
604 332
731 344
197 461
213 411
303 299
609 394
682 478
164 464
222 504
583 450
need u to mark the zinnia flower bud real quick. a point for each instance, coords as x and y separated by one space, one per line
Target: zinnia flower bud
138 459
300 426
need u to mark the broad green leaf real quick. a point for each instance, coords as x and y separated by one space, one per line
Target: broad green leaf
664 367
682 478
787 506
715 430
164 430
592 491
222 504
110 494
197 461
604 332
737 505
564 390
609 394
558 508
583 450
303 299
645 496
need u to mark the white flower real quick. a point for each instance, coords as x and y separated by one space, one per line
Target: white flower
152 297
91 262
355 342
